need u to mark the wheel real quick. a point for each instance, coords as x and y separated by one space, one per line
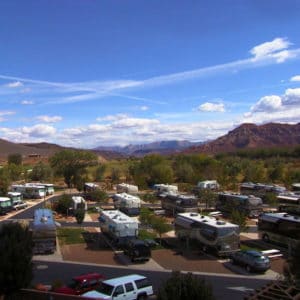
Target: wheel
233 262
266 238
142 297
248 268
204 248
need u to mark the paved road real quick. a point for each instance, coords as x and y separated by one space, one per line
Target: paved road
224 287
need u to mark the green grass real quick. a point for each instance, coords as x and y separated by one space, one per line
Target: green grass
68 236
144 234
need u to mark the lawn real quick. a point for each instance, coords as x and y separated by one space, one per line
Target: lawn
68 236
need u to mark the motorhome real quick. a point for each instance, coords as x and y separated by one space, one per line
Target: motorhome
126 203
6 205
118 226
251 206
43 231
15 196
30 190
49 188
178 203
219 237
127 188
161 189
260 189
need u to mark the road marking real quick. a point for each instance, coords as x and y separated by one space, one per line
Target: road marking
42 267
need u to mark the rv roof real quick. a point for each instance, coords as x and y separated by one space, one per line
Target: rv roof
207 220
117 216
274 217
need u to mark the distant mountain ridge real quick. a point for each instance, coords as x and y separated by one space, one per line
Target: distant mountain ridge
251 136
161 147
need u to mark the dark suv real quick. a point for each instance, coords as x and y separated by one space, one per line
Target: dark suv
81 284
252 260
137 250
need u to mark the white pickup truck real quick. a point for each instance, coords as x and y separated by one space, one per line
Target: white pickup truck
129 287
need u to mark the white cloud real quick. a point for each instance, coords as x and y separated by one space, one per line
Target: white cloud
271 48
39 130
6 113
144 108
27 102
211 107
295 78
112 117
49 119
268 104
15 84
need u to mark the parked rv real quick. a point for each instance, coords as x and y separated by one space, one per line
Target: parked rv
30 190
219 237
137 250
6 205
251 206
208 185
78 202
118 226
161 189
127 188
260 189
43 231
126 203
178 203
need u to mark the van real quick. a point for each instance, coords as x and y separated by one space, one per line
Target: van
129 287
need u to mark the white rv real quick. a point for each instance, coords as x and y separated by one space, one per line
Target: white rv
212 234
128 204
15 196
30 190
118 226
49 187
165 189
78 202
208 184
127 188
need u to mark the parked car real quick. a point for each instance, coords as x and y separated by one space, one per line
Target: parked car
129 287
19 205
252 260
137 250
81 284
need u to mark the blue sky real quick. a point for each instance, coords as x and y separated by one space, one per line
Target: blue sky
87 73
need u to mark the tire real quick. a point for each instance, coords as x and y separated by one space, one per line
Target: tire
142 297
204 248
248 268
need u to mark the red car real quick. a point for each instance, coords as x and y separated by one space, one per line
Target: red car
81 284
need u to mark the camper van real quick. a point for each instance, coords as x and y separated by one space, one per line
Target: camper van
43 231
118 226
126 203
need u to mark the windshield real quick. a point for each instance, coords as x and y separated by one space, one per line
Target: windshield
227 231
105 289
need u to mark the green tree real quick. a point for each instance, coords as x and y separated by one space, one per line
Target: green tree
160 225
14 171
4 181
240 219
98 196
72 164
15 257
41 172
185 287
79 215
15 158
63 204
99 172
207 197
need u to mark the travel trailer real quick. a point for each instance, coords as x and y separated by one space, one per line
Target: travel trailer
6 205
126 203
118 226
127 188
43 231
208 184
78 202
219 237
